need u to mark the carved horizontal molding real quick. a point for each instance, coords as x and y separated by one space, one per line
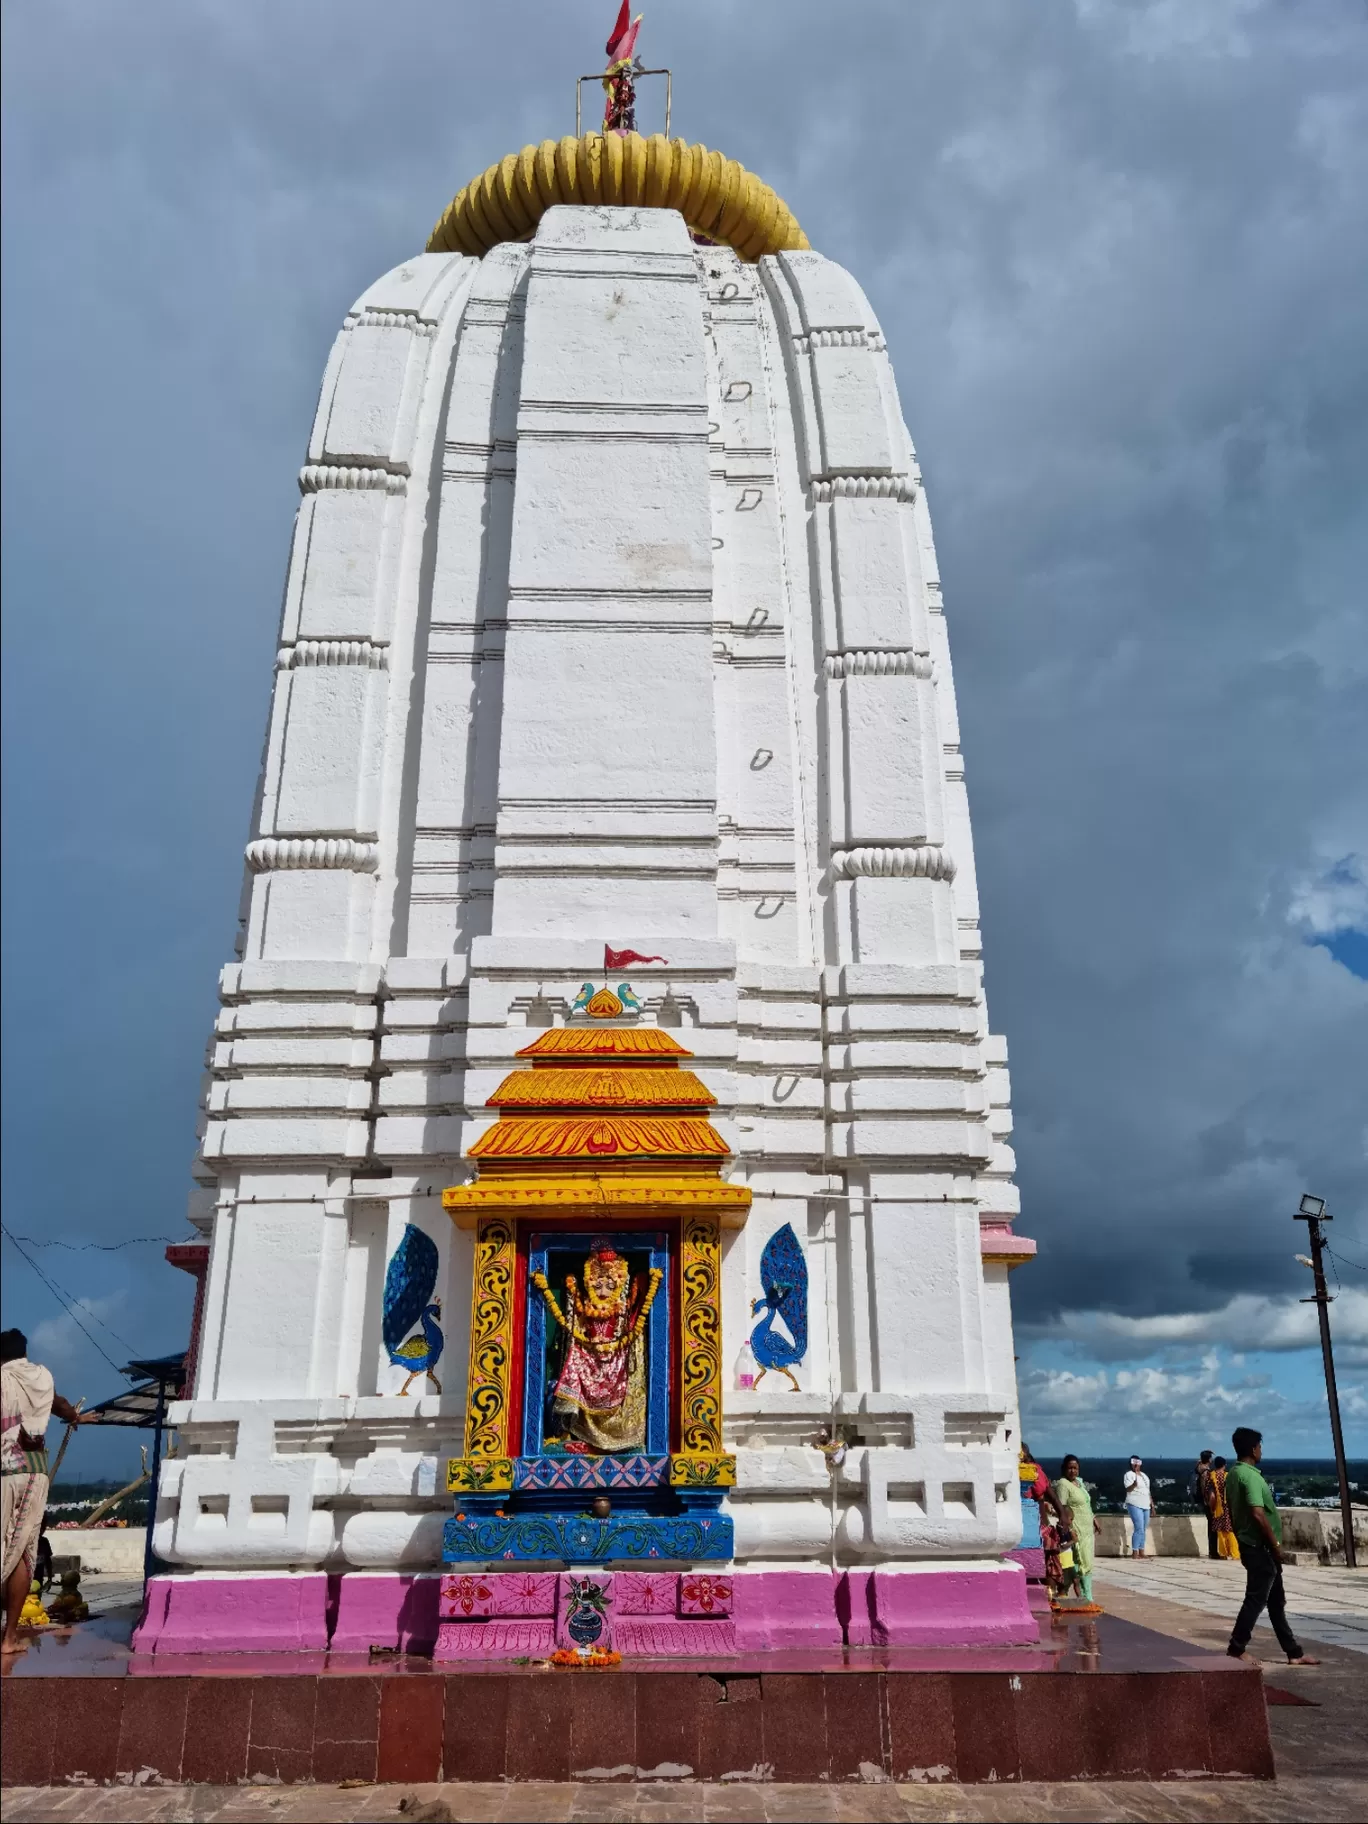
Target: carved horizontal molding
314 477
390 319
864 487
926 862
334 652
841 338
270 853
900 662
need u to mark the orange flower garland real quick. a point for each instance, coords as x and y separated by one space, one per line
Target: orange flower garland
596 1660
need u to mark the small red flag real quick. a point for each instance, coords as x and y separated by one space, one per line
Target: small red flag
623 959
624 19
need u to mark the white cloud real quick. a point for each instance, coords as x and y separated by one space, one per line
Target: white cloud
1168 1410
1116 251
1176 28
60 1344
1248 1322
1335 898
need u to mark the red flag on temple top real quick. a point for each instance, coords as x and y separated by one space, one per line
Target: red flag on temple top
623 959
623 40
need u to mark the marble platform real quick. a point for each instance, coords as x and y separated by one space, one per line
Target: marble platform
1099 1699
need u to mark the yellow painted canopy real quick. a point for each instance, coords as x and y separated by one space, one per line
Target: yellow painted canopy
718 198
605 1118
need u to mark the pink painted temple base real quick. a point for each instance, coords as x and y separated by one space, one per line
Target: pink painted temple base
462 1615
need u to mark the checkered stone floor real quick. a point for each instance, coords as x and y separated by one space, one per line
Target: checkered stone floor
1295 1801
1327 1604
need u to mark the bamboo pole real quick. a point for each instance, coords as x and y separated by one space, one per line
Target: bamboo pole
114 1500
61 1452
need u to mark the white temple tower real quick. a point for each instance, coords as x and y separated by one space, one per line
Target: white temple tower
612 617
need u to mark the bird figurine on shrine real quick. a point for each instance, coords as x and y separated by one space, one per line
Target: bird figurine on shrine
783 1274
409 1283
586 994
630 1003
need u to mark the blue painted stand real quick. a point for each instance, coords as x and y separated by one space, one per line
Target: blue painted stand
541 1538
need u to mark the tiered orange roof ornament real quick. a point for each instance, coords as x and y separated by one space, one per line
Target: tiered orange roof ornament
606 1117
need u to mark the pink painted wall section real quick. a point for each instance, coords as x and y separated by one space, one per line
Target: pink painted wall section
1031 1558
783 1609
386 1610
499 1639
636 1636
234 1614
790 1608
952 1608
423 1614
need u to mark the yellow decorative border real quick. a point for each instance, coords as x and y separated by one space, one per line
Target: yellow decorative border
479 1475
717 197
689 1471
586 1193
491 1340
700 1320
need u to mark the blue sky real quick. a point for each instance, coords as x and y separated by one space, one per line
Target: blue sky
1118 253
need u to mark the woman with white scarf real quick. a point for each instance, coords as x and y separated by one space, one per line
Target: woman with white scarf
27 1401
1138 1503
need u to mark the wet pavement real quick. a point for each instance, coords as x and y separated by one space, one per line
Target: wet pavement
99 1648
1318 1719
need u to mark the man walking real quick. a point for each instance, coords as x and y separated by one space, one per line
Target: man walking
1258 1527
27 1402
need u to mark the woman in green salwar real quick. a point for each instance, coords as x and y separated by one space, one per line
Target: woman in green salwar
1075 1504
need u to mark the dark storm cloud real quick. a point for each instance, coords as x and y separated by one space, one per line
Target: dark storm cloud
1119 253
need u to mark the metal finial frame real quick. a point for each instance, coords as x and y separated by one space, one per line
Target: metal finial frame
598 77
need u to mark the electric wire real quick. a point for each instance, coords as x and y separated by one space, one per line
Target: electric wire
71 1305
82 1247
1345 1261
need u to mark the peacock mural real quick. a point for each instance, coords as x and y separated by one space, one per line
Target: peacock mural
409 1282
784 1276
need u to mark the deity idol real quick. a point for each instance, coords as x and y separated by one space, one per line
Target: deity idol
600 1394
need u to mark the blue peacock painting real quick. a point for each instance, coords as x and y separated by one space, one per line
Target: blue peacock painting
409 1282
783 1274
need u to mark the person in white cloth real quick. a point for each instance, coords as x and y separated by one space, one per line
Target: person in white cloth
1139 1503
27 1402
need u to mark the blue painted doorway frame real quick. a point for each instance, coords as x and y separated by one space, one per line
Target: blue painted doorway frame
625 1241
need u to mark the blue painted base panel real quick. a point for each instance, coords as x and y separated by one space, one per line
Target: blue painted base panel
572 1472
581 1539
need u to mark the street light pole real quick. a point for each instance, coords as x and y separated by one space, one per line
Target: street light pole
1313 1213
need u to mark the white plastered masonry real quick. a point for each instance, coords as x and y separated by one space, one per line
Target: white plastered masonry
612 614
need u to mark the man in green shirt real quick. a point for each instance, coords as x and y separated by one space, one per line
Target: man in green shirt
1257 1525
